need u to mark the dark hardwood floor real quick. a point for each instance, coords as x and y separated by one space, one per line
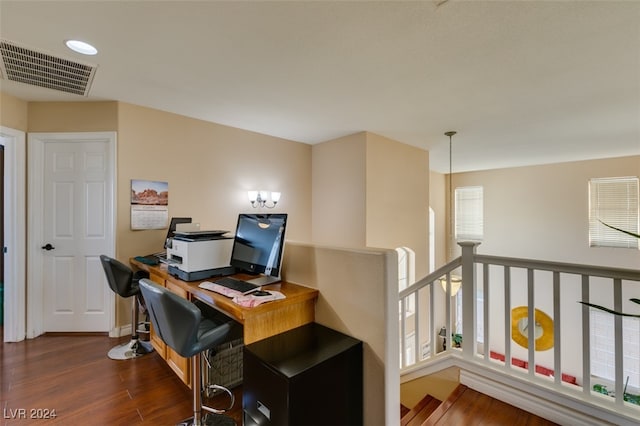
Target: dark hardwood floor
468 407
72 377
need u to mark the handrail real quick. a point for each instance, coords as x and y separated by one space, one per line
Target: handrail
569 268
435 275
411 293
494 272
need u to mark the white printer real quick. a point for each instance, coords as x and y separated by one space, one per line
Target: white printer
198 255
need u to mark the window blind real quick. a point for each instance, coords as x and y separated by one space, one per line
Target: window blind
613 201
469 221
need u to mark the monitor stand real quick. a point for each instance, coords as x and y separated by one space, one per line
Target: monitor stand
264 280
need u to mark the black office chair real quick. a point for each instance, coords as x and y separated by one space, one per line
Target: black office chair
124 282
181 325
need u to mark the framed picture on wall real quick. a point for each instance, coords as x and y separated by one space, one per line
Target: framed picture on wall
149 204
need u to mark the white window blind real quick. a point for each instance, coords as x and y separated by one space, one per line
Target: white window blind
613 201
603 360
469 219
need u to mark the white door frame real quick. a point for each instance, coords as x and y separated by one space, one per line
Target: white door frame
14 233
37 142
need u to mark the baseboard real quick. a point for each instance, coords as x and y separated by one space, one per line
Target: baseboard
548 402
438 363
124 330
560 409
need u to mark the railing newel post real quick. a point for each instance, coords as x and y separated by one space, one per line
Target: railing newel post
469 332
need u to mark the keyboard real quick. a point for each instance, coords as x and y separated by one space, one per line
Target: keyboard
236 284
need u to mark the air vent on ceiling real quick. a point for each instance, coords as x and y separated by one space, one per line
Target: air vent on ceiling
43 70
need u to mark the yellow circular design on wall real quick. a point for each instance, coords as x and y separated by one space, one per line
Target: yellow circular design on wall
543 328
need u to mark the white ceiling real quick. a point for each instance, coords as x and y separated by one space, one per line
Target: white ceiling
523 82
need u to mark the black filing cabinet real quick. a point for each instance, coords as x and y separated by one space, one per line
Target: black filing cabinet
311 375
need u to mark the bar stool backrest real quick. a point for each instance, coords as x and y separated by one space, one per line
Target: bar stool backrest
175 319
119 276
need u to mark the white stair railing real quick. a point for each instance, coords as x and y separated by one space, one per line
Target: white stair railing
412 297
559 286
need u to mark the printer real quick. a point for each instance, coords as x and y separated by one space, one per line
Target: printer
198 255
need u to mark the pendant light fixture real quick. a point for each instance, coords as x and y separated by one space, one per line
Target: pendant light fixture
451 213
456 281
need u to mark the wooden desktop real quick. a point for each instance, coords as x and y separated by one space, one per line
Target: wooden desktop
260 322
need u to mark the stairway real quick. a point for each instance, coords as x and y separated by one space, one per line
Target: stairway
421 412
467 407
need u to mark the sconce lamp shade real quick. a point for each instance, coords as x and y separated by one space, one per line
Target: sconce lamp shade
456 283
260 198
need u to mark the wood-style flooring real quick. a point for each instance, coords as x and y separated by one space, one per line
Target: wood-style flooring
468 407
72 377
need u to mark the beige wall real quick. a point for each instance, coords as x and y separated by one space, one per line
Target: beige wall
437 201
541 212
397 204
357 289
371 191
339 191
439 385
209 168
13 112
73 116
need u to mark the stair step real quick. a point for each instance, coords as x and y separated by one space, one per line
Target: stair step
468 406
442 408
403 410
420 412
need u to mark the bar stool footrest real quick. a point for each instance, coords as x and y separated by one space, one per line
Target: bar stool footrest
210 419
132 349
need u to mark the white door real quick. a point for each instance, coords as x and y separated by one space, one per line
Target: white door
76 205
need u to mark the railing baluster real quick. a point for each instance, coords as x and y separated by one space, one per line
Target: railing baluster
618 341
586 338
485 308
557 350
403 333
447 305
433 335
531 323
507 317
416 327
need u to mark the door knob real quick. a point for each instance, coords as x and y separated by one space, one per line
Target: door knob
48 247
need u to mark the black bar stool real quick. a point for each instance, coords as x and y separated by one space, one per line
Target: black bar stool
181 325
124 283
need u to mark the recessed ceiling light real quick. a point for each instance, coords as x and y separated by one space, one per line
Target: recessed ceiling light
81 47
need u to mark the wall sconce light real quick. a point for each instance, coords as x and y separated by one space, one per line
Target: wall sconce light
456 283
260 199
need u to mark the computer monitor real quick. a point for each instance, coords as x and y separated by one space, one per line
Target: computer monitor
171 232
258 245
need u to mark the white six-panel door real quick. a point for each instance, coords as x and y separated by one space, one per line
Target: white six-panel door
71 213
